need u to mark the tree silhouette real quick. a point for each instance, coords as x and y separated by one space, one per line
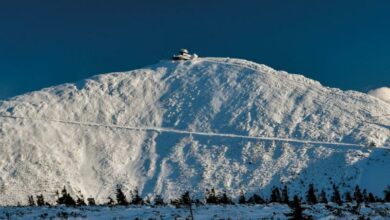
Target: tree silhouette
91 202
365 195
285 198
242 199
136 198
348 197
224 199
65 198
358 196
297 209
275 195
311 197
80 201
336 197
323 198
387 194
159 201
40 200
186 200
256 199
211 197
121 197
370 198
31 201
110 202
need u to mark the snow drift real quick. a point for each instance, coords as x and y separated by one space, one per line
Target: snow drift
126 128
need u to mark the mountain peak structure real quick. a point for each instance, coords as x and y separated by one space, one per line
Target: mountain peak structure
193 125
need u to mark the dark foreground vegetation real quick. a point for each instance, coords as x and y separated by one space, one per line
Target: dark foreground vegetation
335 202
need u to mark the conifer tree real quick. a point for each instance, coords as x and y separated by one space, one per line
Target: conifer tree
311 197
365 195
110 202
358 196
242 199
159 201
121 197
31 201
40 200
91 202
136 198
256 199
370 198
186 199
348 197
80 201
211 197
323 198
285 198
387 194
224 199
65 198
297 209
275 195
336 197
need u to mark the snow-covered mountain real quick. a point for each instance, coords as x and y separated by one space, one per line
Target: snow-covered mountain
191 125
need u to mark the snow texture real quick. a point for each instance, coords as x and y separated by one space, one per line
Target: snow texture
381 93
191 125
272 211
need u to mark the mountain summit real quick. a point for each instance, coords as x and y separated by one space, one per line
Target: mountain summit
191 125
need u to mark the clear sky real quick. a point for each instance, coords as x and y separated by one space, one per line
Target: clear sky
343 44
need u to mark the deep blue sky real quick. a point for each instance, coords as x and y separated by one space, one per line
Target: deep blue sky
343 44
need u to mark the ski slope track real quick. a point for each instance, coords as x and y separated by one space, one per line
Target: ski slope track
221 123
190 132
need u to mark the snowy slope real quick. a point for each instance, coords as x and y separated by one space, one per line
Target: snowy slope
178 126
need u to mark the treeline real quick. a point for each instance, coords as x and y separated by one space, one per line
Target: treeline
278 195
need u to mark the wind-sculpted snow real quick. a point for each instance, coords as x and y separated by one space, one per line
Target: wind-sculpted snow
193 125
